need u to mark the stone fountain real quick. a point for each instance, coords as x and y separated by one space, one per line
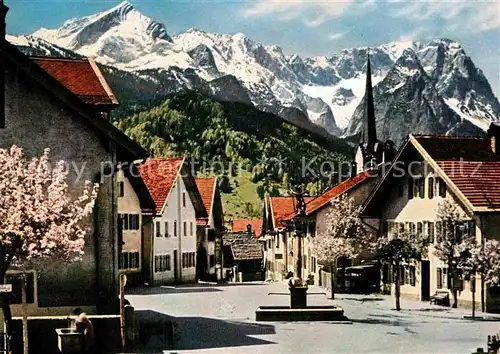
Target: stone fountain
298 309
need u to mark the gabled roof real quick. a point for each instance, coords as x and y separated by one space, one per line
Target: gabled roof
243 246
206 187
466 164
81 76
240 225
145 199
160 174
470 165
13 56
283 208
334 192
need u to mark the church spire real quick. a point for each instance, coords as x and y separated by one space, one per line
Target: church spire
369 130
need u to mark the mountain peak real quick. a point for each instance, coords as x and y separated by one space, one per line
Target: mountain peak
123 5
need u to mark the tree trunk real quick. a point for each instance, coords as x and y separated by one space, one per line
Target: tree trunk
398 289
473 303
454 293
332 280
450 283
482 294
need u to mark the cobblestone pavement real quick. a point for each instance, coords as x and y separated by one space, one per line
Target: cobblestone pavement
221 319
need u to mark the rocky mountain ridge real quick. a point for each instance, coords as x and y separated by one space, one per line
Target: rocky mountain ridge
432 88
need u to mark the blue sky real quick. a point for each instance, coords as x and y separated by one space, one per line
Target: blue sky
306 27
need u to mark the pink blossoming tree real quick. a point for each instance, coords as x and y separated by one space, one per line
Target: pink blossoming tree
344 236
38 217
452 244
396 247
482 259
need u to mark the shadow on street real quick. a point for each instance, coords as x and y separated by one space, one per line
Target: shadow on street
158 332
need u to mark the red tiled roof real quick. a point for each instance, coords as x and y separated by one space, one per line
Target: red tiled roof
470 164
479 181
78 76
282 207
206 187
336 191
159 176
240 225
456 148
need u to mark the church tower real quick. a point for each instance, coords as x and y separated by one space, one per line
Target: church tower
366 154
371 152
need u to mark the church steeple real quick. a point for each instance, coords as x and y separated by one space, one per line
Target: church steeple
369 137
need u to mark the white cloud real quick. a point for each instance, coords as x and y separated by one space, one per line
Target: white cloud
312 13
335 36
473 16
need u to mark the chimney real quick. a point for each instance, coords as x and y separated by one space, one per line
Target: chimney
494 135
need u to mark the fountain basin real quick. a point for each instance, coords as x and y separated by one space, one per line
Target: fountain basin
309 313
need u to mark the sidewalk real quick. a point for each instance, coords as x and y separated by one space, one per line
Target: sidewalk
384 303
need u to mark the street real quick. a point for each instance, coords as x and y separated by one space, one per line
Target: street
221 319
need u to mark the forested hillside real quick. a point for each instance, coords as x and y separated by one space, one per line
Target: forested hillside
251 151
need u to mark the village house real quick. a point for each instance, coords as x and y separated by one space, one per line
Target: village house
427 171
61 104
277 236
242 257
172 252
247 225
210 229
135 211
281 219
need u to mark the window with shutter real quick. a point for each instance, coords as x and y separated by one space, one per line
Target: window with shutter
431 232
439 231
175 228
442 188
439 278
121 189
419 229
158 231
421 187
430 187
410 188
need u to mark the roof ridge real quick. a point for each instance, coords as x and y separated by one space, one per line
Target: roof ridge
449 137
43 57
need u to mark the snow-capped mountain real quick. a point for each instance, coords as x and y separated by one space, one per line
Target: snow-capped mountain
317 93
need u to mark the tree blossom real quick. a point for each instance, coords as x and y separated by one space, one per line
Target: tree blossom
38 217
396 247
344 236
452 247
345 233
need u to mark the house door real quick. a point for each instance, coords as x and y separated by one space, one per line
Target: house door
425 280
176 266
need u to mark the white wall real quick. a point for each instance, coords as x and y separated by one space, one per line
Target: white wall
130 204
403 209
175 212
